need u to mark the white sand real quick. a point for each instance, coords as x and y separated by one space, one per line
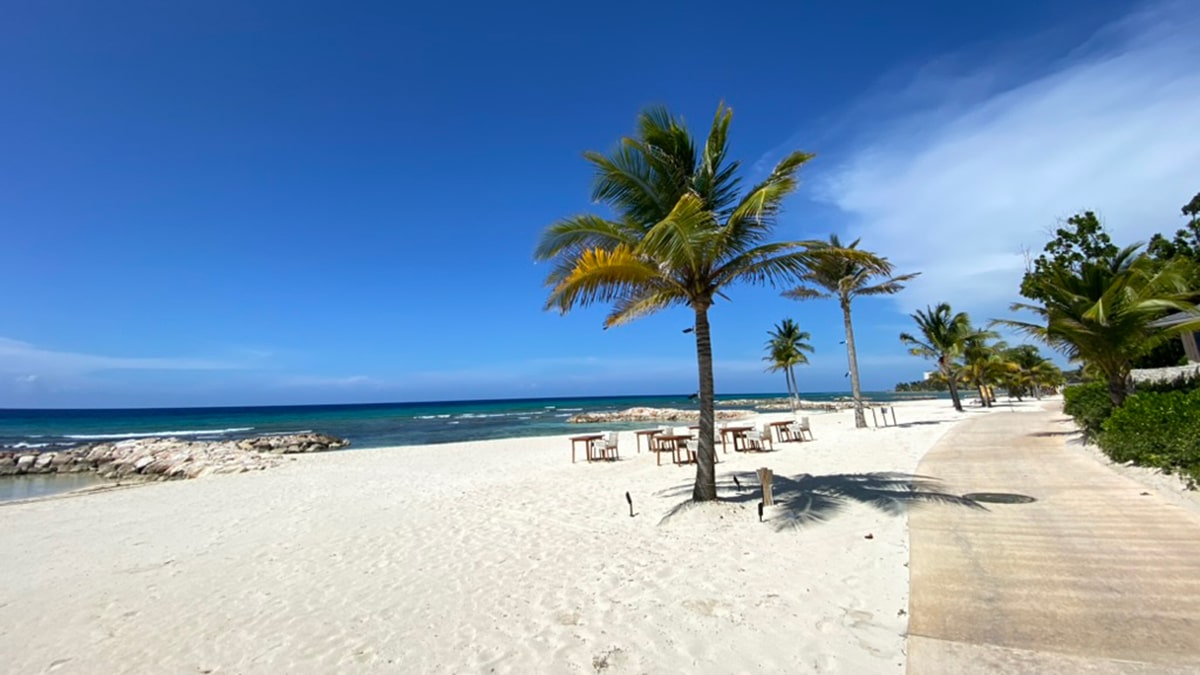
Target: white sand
472 557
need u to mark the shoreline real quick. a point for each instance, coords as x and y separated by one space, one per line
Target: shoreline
471 556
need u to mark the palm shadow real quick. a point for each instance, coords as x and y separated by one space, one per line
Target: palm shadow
809 500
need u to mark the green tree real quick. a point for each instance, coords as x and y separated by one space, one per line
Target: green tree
681 234
1083 239
984 365
1033 372
1186 242
786 350
1104 314
944 335
844 272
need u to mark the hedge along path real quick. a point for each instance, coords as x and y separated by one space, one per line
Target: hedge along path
1095 575
1159 430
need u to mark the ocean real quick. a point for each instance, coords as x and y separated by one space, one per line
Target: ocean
364 425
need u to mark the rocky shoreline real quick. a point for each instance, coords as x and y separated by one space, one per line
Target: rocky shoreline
782 404
654 415
166 458
643 414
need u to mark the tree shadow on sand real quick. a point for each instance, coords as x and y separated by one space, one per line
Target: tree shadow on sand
808 500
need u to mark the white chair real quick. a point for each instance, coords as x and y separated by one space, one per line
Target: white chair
802 427
755 439
605 448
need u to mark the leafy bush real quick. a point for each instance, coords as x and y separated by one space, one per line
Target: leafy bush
1160 430
1090 404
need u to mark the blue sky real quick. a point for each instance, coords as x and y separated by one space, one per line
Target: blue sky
230 203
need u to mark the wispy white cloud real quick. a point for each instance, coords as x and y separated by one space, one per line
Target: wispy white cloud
321 381
961 186
32 361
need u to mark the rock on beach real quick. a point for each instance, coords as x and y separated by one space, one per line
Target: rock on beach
167 458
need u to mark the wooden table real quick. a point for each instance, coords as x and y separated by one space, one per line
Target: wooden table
649 433
675 441
779 428
736 432
586 439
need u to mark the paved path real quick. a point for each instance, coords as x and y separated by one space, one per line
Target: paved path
1094 576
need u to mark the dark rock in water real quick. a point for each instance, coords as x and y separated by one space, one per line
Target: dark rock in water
167 458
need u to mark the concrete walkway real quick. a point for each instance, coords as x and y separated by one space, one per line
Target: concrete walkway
1093 577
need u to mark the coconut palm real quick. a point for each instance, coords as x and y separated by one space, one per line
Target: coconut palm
944 336
845 272
1105 313
681 234
786 350
1032 374
984 365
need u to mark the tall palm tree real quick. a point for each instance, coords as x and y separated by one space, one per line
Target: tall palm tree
681 234
1104 314
846 273
945 335
786 350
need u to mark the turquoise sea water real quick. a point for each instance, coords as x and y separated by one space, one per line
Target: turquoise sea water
366 426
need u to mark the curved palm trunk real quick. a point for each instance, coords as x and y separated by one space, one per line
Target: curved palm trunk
706 476
951 381
793 388
860 419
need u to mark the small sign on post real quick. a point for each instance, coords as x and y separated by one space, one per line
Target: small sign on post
764 478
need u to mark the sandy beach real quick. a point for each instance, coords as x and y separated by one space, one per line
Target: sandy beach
497 556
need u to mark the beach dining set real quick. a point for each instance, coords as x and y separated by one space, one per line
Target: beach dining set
680 442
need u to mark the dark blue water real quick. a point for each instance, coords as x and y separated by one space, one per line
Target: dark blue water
367 425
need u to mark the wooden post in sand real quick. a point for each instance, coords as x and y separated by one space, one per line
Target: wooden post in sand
764 477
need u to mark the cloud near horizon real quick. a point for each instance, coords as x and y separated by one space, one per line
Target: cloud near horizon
29 362
960 191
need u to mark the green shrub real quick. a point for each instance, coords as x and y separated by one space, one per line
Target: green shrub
1160 430
1090 404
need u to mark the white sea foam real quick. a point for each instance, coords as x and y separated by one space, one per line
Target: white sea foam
152 434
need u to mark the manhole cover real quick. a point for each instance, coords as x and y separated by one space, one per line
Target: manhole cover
999 498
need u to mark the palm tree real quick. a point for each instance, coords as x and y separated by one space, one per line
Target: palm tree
945 336
1032 372
984 365
785 351
1104 314
845 273
680 235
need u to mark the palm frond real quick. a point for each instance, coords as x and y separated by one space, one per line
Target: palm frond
601 276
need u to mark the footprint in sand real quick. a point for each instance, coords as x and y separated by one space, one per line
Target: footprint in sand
713 608
567 618
855 618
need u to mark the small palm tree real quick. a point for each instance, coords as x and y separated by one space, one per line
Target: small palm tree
984 365
845 272
681 235
786 350
945 335
1104 314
